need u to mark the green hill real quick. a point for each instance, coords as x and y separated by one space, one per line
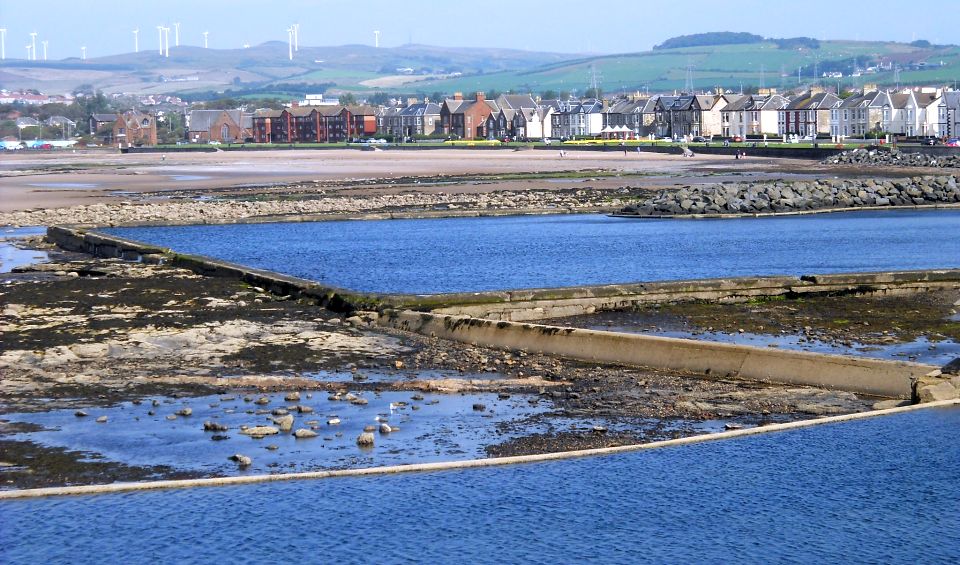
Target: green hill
423 69
728 66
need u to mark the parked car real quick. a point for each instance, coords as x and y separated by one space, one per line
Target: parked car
736 139
929 141
699 139
953 142
214 142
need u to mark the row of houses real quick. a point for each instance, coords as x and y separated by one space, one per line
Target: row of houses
908 112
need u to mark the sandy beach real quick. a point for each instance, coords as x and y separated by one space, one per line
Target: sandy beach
62 179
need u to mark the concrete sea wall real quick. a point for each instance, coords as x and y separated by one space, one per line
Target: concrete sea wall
868 376
529 305
855 374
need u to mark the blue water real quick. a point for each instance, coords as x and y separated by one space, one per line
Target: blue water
477 254
883 490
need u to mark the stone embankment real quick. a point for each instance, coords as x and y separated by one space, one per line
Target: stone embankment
893 159
207 211
787 197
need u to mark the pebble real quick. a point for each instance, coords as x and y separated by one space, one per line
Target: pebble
80 414
241 460
102 420
184 412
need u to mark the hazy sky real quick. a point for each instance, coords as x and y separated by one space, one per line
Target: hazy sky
105 26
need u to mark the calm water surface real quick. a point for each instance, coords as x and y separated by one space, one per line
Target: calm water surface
476 254
883 490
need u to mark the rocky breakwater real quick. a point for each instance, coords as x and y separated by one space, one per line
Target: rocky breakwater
893 158
787 197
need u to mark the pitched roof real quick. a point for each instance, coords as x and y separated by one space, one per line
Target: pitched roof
809 101
105 117
951 99
516 101
202 120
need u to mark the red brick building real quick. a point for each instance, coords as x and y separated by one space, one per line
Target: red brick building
466 119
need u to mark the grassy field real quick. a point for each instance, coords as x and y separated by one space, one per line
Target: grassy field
728 66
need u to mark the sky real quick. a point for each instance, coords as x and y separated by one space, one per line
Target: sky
105 27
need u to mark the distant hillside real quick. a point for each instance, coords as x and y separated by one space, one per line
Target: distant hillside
428 70
191 68
771 63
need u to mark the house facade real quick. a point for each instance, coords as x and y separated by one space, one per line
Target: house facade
415 119
751 115
809 114
466 119
578 119
135 128
690 115
224 126
948 114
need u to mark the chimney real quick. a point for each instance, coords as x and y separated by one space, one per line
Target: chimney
481 97
458 96
412 101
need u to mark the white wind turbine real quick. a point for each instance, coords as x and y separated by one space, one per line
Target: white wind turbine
33 44
205 34
44 43
160 32
290 43
136 40
376 38
176 34
83 53
296 37
3 43
166 35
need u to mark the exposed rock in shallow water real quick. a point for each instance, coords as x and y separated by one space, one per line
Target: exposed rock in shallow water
304 433
284 422
365 439
260 431
209 426
786 197
241 460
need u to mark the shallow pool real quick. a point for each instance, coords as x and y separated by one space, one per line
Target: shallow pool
477 254
879 490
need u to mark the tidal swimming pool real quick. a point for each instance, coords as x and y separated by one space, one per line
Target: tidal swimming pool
877 490
425 256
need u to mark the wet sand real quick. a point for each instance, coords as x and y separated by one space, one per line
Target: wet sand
53 180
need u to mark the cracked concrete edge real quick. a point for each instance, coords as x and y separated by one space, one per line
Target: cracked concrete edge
456 465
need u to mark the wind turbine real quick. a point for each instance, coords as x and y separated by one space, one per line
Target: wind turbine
176 34
83 53
28 51
296 37
376 38
44 43
33 44
166 35
136 40
3 43
290 43
160 32
205 34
